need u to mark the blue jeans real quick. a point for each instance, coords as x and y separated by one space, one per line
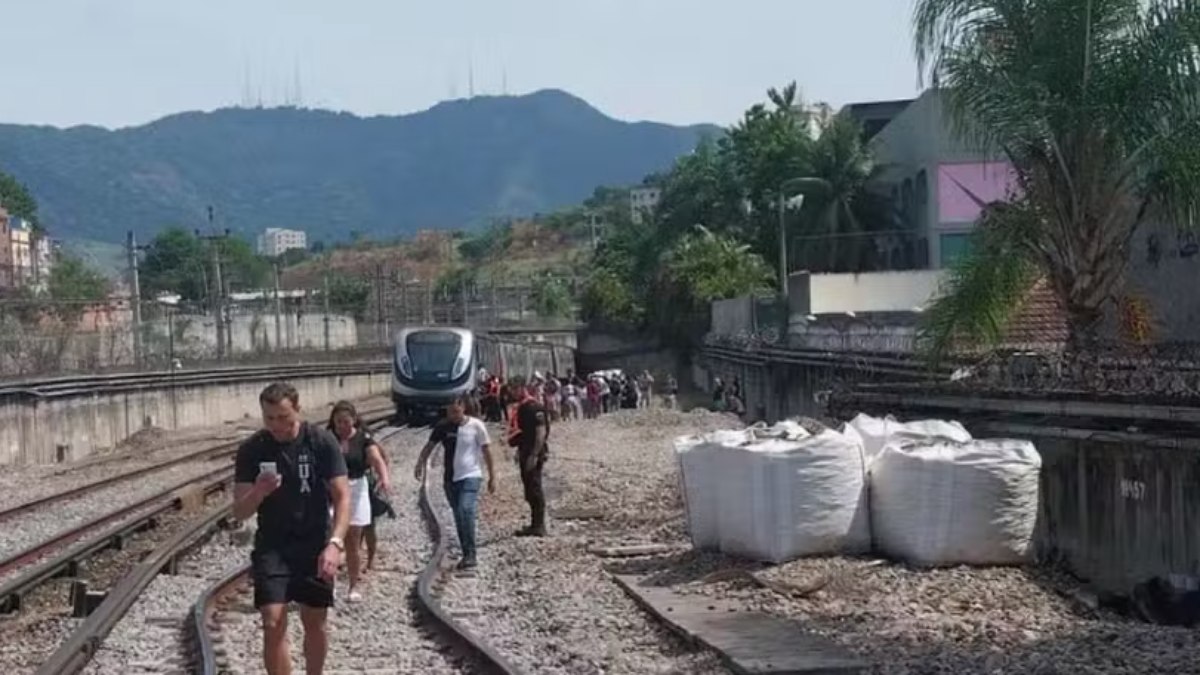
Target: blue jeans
463 496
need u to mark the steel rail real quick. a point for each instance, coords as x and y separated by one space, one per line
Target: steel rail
50 383
203 614
158 503
142 381
207 454
74 655
12 592
488 658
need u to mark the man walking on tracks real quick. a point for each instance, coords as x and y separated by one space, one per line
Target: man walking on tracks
289 474
529 435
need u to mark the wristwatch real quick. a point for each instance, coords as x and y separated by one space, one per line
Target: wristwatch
337 541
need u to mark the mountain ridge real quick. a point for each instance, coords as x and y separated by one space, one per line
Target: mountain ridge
455 164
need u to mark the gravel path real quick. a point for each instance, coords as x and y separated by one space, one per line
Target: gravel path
382 634
548 604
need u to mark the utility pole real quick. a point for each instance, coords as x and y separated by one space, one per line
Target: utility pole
278 312
380 316
465 314
325 301
135 296
218 297
404 298
429 302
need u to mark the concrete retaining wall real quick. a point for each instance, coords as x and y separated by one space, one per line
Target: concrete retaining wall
32 429
1116 512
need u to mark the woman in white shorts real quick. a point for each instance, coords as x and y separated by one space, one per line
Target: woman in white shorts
362 453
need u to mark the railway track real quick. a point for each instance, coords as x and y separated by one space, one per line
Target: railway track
435 642
93 538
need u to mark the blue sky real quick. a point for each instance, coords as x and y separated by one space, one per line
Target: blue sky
121 62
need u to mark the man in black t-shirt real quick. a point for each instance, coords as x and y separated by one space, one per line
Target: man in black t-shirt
530 439
289 474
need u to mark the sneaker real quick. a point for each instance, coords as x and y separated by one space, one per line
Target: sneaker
531 532
466 565
354 597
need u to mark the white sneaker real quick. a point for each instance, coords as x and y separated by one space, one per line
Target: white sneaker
354 597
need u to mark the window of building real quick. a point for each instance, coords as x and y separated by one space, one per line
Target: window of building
952 246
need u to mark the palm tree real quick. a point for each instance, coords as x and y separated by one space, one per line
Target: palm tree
842 208
1096 104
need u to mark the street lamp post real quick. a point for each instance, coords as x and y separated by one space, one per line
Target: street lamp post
799 186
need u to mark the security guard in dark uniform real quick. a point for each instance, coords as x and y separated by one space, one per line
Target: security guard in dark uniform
529 436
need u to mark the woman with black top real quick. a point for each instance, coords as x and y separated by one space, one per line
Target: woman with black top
361 452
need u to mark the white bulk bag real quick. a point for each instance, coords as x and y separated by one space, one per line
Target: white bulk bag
699 477
945 503
876 432
777 495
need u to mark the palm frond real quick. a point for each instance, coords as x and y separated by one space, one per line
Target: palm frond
986 287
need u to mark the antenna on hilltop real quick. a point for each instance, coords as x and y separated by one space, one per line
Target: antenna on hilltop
247 94
298 87
504 81
471 78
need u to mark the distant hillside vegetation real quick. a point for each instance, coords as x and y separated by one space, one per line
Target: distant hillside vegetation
331 174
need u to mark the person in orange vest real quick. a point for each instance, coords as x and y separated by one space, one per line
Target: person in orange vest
528 432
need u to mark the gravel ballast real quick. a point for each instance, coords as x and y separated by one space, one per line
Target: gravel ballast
902 620
154 636
548 604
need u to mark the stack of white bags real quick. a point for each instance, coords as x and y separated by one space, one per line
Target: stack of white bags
924 492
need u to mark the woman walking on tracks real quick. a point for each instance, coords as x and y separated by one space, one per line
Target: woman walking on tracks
361 453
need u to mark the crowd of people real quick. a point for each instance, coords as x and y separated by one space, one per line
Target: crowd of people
318 489
573 396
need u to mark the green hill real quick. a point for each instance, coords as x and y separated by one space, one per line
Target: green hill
453 165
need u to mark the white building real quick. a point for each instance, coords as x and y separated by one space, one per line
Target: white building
642 202
20 250
275 240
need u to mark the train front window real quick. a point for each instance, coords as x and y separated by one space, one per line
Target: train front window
432 354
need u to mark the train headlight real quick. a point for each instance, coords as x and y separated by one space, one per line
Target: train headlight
406 367
460 367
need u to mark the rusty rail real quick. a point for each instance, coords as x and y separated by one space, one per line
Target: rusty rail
488 658
74 654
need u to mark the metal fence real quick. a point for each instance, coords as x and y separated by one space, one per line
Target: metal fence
39 337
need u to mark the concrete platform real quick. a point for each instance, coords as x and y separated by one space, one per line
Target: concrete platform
750 643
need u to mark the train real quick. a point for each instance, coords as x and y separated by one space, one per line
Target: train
431 366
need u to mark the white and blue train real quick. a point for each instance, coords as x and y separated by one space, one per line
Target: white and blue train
431 366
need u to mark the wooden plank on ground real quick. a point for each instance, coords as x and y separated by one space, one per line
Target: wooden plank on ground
632 551
750 643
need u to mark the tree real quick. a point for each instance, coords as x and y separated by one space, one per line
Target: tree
843 209
16 199
349 295
713 267
1096 104
770 145
72 286
702 189
177 261
551 297
608 298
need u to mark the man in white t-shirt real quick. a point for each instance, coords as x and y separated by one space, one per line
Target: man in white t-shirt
467 448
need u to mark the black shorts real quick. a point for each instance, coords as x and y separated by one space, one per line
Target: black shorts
289 575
